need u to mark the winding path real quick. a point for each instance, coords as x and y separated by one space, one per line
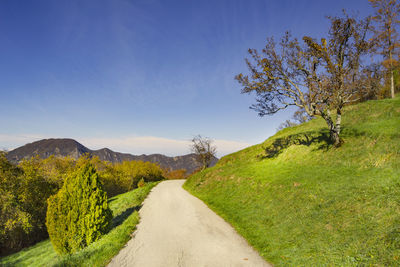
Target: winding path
178 229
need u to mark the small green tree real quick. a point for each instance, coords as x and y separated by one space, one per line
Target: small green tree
78 214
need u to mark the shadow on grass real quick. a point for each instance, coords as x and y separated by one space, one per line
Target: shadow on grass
119 219
351 132
111 200
320 138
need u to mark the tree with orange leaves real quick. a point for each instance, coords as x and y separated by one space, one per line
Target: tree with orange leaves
386 37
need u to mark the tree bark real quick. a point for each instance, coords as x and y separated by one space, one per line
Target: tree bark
392 83
391 72
334 129
338 120
337 142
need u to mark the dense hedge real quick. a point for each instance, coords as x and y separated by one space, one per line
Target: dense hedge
78 214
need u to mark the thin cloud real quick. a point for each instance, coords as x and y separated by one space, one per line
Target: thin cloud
9 142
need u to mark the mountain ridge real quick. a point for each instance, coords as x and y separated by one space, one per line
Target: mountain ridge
62 147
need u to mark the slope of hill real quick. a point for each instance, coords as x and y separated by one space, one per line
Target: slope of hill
300 202
69 147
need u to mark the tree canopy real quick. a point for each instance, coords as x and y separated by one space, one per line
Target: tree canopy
317 76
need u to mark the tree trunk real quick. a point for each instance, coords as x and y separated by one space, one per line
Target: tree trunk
204 161
391 73
392 83
337 142
334 129
338 120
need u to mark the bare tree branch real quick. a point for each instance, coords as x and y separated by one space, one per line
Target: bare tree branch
203 148
315 76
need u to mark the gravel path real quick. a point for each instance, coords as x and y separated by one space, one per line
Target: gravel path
177 229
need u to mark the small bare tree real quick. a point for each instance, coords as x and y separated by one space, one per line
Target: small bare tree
318 77
204 150
386 36
299 117
286 124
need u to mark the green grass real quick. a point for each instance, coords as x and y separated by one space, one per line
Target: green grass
126 217
301 202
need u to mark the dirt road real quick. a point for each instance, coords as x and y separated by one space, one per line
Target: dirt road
177 229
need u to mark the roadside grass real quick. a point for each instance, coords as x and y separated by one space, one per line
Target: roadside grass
125 211
301 202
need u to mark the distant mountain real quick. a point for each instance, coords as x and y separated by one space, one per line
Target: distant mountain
69 147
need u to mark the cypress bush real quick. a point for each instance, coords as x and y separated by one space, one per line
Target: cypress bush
78 214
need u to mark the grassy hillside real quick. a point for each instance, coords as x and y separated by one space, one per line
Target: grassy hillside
299 201
125 218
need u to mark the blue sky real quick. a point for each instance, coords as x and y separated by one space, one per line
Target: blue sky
141 76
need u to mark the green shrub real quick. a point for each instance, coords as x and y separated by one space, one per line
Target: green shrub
35 189
175 174
57 169
25 188
141 183
78 214
23 193
109 176
130 173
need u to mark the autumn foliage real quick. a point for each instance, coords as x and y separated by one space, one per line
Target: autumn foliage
25 188
23 193
175 174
